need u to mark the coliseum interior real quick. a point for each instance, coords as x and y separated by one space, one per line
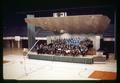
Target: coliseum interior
60 44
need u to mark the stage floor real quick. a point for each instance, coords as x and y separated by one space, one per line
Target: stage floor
21 68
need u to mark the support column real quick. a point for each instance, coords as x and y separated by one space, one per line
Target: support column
49 40
30 33
97 42
17 39
115 50
12 43
18 42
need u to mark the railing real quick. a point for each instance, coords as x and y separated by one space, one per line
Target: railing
31 48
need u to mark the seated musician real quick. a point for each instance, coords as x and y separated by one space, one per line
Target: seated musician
77 52
38 49
67 51
83 50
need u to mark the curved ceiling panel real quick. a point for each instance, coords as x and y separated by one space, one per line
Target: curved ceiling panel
72 24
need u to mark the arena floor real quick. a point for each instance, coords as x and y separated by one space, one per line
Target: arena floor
16 66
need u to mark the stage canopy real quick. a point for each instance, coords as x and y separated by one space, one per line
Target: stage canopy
72 24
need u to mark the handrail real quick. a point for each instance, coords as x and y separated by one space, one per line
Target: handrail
32 48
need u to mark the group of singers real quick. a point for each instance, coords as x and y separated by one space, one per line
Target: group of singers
66 47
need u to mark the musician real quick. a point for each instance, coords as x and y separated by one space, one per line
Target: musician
83 50
38 49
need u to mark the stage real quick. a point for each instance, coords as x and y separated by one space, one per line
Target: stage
88 59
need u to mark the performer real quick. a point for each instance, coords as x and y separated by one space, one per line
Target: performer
83 50
38 49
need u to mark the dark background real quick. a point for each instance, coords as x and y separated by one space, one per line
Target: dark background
14 11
